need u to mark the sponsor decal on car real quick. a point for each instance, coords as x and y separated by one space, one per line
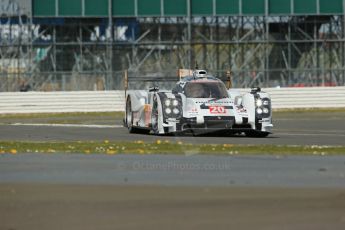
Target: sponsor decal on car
264 120
173 120
193 111
217 109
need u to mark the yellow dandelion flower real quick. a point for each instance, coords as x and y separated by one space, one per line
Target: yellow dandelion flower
13 151
158 142
141 151
106 141
111 152
87 151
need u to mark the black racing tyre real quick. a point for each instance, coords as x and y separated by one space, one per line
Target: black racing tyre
129 120
254 133
129 116
155 116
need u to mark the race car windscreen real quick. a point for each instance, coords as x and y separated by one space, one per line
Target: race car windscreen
205 90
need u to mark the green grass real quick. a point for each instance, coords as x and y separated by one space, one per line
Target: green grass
308 110
63 115
63 118
163 147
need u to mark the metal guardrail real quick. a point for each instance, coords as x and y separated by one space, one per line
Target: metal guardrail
107 101
308 97
54 102
325 97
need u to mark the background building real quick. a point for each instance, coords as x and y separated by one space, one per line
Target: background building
87 44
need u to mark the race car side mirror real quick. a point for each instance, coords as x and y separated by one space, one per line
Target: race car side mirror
255 90
154 89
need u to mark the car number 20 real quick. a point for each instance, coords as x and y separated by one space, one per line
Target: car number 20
217 109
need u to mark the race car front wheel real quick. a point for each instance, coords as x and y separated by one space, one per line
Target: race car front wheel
154 116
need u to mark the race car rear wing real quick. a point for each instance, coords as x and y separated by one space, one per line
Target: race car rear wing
228 79
181 73
130 78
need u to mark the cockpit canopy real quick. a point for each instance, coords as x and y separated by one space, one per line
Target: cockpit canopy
205 89
198 84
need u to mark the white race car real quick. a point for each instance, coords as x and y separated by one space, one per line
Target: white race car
199 103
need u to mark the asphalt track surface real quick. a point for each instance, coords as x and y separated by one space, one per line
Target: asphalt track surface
289 129
77 191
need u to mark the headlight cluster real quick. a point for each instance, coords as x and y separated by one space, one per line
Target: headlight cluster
172 106
258 102
263 106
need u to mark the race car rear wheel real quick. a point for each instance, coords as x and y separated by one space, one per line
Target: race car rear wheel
129 116
129 120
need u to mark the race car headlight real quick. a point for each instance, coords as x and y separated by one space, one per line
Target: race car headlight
176 111
167 102
259 111
175 102
258 102
266 102
266 110
167 110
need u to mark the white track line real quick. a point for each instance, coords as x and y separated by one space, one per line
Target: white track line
310 134
69 125
341 132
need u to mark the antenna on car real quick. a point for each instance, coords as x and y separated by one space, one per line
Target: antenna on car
196 69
